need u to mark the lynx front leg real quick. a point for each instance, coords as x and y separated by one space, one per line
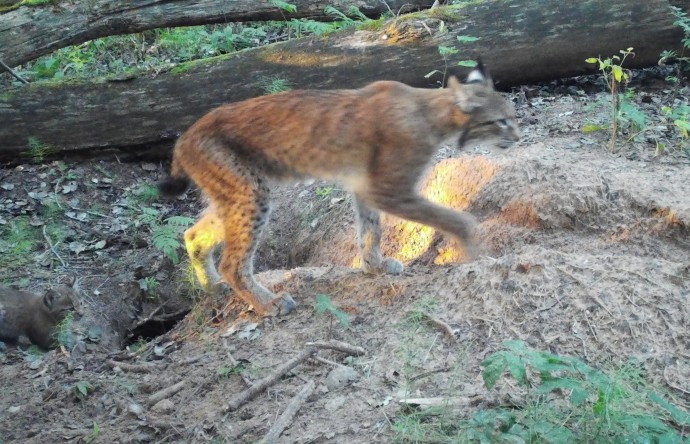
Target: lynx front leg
369 240
412 207
199 241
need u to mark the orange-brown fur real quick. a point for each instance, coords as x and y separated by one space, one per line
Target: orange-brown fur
34 316
374 141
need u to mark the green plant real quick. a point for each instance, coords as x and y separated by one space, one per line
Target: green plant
447 51
150 285
82 389
325 305
38 150
324 192
139 344
273 84
95 431
63 332
165 233
680 115
226 372
285 6
614 76
17 240
563 401
146 193
569 398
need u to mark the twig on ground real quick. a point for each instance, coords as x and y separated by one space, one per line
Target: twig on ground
52 247
343 347
235 363
327 362
134 368
241 398
429 373
149 317
285 418
445 328
191 360
440 402
165 393
673 386
591 328
12 73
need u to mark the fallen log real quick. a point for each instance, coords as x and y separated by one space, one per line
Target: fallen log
28 32
521 41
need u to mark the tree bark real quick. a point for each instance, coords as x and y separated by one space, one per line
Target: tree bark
29 32
521 41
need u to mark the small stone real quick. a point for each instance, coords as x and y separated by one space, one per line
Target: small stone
14 409
163 406
335 403
340 377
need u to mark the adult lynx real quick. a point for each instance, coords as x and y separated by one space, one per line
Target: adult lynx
375 141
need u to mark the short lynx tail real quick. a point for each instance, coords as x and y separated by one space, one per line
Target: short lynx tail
176 184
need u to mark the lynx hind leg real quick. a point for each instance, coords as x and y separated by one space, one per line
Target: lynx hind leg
243 207
369 241
200 241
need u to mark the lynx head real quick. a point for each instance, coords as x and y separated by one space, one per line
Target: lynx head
491 117
60 300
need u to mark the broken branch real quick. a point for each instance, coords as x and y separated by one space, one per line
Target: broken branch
343 347
166 392
262 384
285 418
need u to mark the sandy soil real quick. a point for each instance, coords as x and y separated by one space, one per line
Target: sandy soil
584 253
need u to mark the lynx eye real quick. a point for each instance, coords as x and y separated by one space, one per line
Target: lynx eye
503 123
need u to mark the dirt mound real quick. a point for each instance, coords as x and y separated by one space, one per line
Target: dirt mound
583 253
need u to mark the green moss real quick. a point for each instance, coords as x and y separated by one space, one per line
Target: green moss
35 2
372 25
449 13
185 67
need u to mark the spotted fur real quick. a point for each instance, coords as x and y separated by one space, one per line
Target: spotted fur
375 141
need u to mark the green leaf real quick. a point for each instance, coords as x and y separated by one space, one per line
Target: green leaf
179 221
285 6
467 63
467 39
324 304
617 72
494 366
447 50
517 368
592 127
591 60
579 395
560 384
599 407
681 417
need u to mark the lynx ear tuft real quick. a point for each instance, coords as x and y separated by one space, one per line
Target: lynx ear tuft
479 74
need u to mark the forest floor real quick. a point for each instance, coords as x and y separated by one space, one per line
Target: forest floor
585 253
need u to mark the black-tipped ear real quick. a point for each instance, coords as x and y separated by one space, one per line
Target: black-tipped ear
479 74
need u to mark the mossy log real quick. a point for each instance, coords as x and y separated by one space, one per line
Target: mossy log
28 32
521 41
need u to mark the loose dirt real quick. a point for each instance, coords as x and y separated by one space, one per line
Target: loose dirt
582 252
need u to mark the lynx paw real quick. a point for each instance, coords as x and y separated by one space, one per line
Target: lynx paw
282 305
392 266
388 266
